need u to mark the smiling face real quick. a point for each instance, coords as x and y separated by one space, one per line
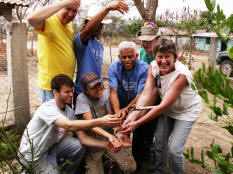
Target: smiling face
166 62
128 58
148 45
64 96
66 15
96 92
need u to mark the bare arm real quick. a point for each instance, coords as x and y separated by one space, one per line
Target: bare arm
148 97
114 100
75 125
37 19
92 142
97 19
112 139
170 97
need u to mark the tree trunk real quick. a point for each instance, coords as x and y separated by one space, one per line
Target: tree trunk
147 10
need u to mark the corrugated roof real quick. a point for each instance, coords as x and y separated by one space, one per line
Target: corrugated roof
14 2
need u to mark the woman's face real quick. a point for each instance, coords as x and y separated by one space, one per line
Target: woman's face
166 62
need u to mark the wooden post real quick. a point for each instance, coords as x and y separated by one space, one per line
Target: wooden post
18 74
213 52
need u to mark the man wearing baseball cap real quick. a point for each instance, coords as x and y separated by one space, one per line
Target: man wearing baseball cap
94 103
149 35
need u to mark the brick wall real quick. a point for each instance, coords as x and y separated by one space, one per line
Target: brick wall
3 58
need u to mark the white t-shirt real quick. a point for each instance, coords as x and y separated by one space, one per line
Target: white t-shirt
189 104
41 131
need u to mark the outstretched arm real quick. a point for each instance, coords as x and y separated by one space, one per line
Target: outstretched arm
97 19
37 19
111 138
168 100
92 142
75 125
148 97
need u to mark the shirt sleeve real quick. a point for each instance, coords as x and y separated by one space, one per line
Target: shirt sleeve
48 113
82 105
107 100
112 76
78 42
142 80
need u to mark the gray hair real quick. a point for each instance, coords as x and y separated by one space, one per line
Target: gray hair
125 45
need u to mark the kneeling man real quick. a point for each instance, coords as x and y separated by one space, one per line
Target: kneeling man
43 144
93 104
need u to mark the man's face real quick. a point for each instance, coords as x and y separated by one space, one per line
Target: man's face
65 95
66 15
96 92
128 58
148 45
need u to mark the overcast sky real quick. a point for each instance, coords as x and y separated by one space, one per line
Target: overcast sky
174 5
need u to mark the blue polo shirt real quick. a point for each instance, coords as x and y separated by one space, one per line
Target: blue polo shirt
129 83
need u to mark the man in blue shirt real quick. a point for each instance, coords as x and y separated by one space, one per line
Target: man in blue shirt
127 77
88 50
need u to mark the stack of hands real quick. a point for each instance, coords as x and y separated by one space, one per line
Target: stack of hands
123 124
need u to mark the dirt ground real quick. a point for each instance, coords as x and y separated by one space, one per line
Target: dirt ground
202 134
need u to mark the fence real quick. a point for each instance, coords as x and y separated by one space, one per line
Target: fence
110 55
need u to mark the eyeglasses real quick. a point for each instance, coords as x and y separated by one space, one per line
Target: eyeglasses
150 23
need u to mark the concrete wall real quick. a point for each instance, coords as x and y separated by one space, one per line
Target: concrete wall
18 74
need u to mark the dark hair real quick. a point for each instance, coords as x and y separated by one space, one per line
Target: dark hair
59 80
164 45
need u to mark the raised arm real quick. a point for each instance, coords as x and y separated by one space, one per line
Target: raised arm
75 125
168 100
37 19
97 19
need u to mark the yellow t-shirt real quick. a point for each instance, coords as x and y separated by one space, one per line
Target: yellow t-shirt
55 51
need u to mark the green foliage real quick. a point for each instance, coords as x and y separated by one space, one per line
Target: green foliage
134 26
222 162
218 85
221 25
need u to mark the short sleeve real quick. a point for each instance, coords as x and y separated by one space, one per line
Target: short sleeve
181 69
112 75
78 42
82 104
48 113
107 100
47 27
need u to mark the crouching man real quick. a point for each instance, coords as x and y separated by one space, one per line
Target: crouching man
93 104
43 142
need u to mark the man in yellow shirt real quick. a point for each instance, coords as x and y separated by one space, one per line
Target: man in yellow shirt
55 43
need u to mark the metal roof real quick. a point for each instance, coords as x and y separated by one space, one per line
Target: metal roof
14 2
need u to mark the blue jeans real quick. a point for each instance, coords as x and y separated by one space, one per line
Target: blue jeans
45 95
177 134
63 157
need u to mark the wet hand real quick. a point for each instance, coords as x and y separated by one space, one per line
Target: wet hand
111 121
115 143
123 139
128 128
